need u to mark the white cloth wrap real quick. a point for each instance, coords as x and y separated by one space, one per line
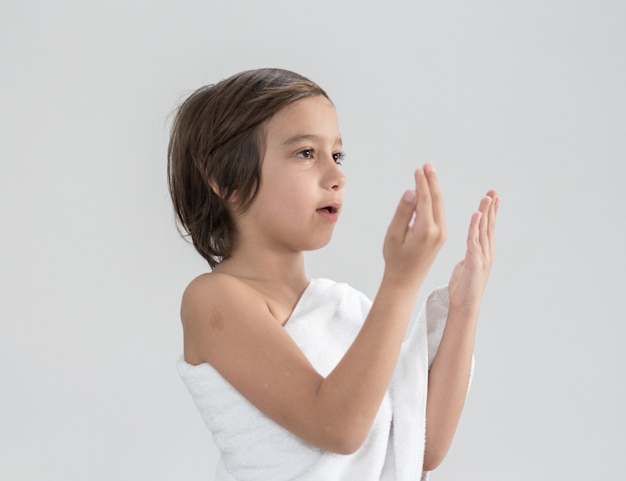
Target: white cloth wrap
324 324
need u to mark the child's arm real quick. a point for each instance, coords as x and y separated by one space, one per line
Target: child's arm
449 374
227 324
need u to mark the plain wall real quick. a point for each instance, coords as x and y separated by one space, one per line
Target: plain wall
526 97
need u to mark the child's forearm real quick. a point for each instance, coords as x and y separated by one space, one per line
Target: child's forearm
355 388
449 374
351 394
448 381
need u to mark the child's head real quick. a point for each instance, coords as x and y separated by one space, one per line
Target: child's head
216 147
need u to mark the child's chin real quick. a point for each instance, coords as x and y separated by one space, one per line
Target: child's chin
319 244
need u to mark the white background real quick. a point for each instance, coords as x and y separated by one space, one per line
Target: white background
528 97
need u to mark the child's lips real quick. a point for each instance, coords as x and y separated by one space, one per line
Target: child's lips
330 212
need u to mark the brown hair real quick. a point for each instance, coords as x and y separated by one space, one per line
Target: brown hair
217 142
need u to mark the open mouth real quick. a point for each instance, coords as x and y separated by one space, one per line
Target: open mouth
330 209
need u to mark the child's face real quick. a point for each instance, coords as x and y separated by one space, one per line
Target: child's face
301 190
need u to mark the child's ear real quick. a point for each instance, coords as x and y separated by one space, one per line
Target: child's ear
217 191
214 187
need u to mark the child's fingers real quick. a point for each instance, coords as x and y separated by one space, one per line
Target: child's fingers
424 210
473 233
402 217
435 195
483 228
493 211
422 189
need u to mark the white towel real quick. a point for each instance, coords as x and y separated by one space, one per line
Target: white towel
323 324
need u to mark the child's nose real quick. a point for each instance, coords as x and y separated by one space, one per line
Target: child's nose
335 178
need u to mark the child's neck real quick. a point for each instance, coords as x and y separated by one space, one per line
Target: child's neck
270 268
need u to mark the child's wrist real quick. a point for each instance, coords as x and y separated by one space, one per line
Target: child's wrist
401 281
466 312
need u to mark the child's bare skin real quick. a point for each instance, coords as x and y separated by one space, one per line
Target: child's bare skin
233 316
449 373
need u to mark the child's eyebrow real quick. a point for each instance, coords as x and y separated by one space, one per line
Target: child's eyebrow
301 137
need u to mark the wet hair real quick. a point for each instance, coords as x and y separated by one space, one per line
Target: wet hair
215 151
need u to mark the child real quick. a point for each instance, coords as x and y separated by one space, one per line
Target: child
301 379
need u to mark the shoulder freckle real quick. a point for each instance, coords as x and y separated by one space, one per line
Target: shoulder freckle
216 319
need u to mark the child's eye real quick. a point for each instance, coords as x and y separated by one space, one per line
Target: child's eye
305 154
338 157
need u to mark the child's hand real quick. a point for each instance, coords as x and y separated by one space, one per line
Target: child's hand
470 276
410 248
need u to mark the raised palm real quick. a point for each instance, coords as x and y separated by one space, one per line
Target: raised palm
469 277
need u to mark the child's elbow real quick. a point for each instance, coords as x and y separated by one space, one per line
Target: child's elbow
433 458
345 442
347 445
431 465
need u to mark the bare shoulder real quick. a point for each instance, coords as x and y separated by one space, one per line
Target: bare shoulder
215 289
212 305
228 324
